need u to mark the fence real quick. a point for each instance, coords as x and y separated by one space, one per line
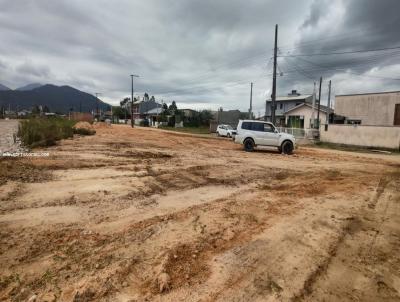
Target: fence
300 132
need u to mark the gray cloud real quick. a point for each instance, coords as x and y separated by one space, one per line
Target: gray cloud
202 54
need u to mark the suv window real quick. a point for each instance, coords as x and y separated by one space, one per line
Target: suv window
257 127
246 125
254 126
268 128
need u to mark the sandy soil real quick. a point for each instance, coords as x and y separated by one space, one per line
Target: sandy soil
148 215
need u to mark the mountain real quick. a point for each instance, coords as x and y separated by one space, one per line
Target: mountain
4 88
29 87
56 98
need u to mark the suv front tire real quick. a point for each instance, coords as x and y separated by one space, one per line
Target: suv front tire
287 147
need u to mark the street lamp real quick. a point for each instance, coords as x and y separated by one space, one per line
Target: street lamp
132 121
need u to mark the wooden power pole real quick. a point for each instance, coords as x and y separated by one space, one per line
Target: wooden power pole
329 100
319 101
251 100
273 95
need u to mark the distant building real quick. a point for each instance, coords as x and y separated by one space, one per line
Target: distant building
23 113
369 109
284 104
301 116
188 112
82 116
140 108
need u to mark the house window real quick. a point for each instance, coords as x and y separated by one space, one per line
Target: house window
280 106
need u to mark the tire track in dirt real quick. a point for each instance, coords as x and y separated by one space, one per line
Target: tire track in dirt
357 224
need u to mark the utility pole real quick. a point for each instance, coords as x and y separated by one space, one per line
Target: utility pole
251 100
313 108
97 104
319 100
329 101
132 121
273 95
125 110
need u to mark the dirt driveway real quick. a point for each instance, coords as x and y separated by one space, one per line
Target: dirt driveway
146 215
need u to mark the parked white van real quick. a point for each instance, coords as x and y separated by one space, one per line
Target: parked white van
253 133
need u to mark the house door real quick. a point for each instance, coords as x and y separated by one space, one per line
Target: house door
397 115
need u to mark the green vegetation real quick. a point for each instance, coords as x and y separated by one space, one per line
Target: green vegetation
38 132
352 148
193 130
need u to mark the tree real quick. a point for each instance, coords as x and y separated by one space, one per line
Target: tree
46 109
119 111
205 117
173 108
124 102
146 97
153 99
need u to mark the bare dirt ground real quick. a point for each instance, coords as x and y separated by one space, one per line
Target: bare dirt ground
8 129
146 215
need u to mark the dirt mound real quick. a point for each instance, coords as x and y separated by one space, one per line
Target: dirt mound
83 125
100 125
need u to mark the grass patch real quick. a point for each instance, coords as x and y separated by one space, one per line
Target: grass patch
351 148
193 130
39 132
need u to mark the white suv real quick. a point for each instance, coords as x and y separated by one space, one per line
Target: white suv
258 133
225 130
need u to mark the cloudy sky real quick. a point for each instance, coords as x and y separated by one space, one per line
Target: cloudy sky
203 54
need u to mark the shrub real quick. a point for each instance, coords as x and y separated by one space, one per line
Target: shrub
144 123
38 132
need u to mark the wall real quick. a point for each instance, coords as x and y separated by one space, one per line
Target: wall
306 111
367 136
82 116
372 109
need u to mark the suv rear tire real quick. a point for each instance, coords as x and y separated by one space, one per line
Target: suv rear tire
287 147
248 145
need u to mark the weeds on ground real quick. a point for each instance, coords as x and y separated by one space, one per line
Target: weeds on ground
38 132
192 130
43 132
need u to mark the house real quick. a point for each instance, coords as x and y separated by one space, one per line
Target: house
300 116
152 115
284 104
141 107
372 109
23 113
189 112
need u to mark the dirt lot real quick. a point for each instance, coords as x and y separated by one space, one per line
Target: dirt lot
147 215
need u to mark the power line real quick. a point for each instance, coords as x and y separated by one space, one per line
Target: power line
341 69
340 53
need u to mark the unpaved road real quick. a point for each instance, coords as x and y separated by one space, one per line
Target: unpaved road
127 212
8 130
